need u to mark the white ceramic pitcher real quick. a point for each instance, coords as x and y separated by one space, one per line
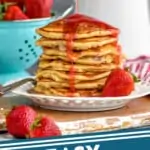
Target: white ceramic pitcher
132 17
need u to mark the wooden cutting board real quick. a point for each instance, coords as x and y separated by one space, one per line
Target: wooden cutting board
138 106
134 114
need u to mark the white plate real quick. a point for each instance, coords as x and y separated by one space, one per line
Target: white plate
82 103
140 67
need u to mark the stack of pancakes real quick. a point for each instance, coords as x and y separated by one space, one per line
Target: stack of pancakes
78 67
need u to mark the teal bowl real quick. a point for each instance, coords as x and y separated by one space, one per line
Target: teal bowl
18 51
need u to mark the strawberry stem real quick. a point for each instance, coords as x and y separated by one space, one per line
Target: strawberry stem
135 78
36 123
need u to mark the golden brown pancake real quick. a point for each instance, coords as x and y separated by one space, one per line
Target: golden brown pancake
84 29
66 92
95 84
63 66
83 44
61 76
96 60
98 51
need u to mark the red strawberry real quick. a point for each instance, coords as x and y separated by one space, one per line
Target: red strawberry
14 13
19 120
119 83
44 127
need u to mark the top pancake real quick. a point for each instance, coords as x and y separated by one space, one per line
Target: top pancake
86 27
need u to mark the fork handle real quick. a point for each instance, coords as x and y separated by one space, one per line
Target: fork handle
4 90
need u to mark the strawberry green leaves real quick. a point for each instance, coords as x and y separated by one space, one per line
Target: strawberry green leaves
135 78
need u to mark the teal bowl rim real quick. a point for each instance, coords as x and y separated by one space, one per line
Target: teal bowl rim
30 22
56 16
35 20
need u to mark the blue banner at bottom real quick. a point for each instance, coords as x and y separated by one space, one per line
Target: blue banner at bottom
137 139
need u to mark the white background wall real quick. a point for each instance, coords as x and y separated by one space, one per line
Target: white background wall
131 16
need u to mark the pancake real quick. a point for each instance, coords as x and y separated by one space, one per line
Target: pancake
63 66
82 44
59 35
63 76
66 92
95 84
86 28
96 60
98 51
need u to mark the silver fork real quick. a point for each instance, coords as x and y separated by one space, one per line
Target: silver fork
8 88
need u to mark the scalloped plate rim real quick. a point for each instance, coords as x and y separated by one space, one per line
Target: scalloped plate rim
147 92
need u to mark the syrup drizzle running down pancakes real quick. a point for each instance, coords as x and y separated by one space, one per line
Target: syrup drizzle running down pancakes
75 29
71 24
